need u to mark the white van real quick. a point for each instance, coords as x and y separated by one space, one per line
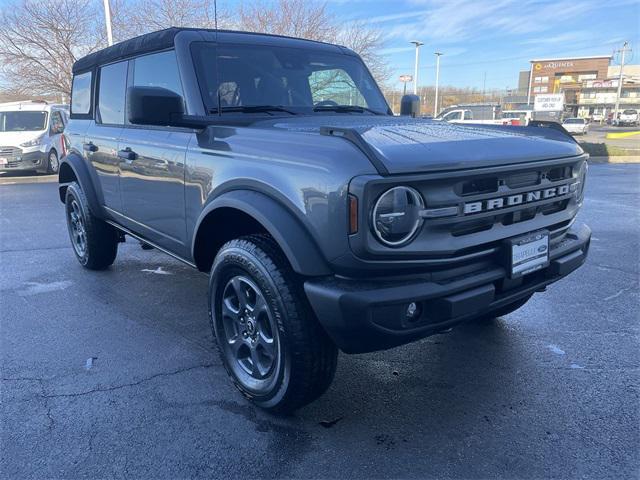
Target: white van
31 136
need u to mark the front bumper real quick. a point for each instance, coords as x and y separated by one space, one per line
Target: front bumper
26 161
364 316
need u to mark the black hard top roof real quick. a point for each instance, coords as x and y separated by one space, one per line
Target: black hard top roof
164 39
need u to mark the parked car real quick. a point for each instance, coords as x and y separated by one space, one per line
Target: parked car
628 117
324 222
576 126
31 136
472 113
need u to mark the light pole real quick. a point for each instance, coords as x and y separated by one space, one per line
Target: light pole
435 106
415 68
107 20
405 79
620 80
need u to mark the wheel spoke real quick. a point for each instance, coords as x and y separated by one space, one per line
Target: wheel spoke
258 370
259 306
266 345
239 287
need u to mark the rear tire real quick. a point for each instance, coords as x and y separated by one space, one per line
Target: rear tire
506 310
95 242
272 346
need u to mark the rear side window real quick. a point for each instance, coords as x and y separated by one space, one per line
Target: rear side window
81 94
111 95
158 70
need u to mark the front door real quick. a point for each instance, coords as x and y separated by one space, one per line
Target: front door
152 163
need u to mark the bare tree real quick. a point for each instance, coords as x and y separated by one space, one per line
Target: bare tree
312 20
295 18
367 42
135 17
40 40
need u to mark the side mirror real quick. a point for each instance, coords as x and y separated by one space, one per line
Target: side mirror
410 105
154 106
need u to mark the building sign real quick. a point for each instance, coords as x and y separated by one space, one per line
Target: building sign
549 103
601 84
552 65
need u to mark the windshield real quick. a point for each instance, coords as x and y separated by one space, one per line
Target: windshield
629 112
574 120
253 78
22 121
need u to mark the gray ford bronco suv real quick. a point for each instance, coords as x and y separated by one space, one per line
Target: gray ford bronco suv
275 165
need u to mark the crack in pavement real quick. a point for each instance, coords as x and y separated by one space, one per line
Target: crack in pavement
125 385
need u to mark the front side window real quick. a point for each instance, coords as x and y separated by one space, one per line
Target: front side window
81 94
158 70
457 115
302 80
23 121
57 124
111 96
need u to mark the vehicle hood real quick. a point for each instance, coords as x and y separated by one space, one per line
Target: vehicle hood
14 139
408 145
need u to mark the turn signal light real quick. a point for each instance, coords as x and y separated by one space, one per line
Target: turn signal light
353 214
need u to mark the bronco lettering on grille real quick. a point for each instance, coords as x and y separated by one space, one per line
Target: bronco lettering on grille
517 199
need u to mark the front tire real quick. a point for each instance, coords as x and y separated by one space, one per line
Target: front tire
53 164
95 242
273 348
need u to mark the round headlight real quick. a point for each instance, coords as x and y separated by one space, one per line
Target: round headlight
396 215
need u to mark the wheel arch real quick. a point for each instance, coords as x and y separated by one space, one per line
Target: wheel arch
73 169
244 212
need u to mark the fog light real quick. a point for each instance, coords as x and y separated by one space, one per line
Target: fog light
413 311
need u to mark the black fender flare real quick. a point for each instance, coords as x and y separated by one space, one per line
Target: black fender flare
288 231
83 177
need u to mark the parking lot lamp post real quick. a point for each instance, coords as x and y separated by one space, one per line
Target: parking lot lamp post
415 67
107 20
435 106
405 79
620 80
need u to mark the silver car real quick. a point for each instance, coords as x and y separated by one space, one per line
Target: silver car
576 126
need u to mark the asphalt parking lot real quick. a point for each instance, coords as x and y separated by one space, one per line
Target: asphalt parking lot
114 374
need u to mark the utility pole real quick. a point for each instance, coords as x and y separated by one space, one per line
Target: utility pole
435 105
530 81
620 80
107 20
415 67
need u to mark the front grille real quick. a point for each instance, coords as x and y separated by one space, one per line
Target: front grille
10 153
483 201
469 213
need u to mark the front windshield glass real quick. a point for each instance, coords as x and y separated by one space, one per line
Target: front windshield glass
629 112
22 121
297 80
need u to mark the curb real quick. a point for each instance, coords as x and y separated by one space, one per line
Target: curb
31 179
616 159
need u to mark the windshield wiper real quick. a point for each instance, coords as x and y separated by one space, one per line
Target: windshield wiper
254 109
346 108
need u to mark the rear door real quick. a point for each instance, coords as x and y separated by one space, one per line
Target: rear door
101 140
152 163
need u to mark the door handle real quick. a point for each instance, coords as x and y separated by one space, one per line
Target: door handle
127 154
89 147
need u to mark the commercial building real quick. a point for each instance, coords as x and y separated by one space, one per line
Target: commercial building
597 98
589 84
